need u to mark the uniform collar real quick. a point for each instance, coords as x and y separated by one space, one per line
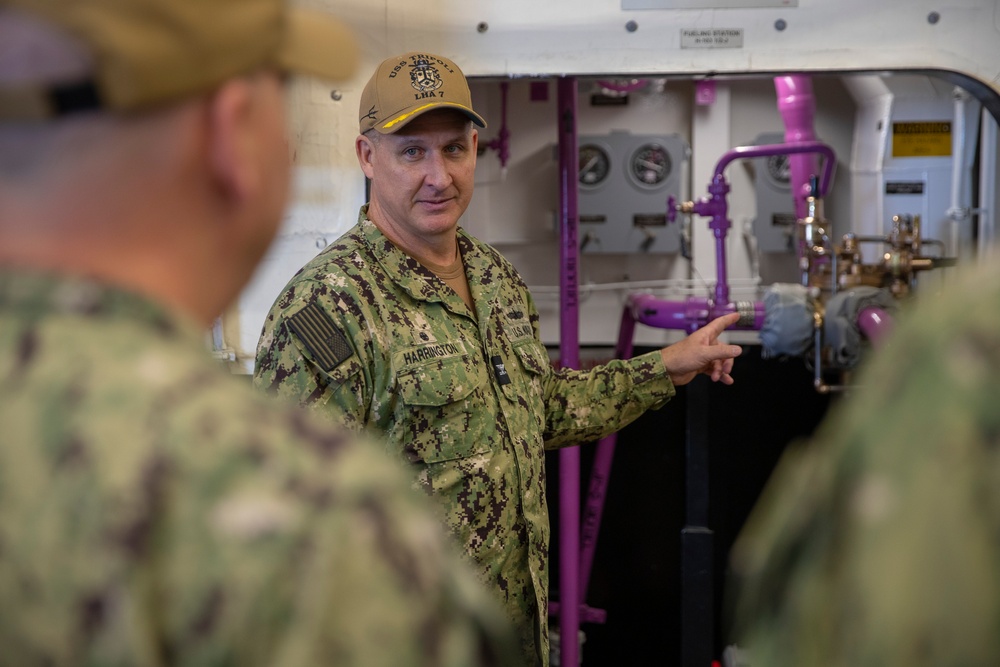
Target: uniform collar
38 294
482 270
412 276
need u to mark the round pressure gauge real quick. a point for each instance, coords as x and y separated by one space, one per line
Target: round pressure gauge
650 165
594 165
779 169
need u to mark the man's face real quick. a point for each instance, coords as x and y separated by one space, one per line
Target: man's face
422 177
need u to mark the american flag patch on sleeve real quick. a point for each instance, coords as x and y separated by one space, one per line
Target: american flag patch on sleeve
320 335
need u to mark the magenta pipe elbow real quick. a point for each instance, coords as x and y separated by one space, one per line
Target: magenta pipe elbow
874 323
767 150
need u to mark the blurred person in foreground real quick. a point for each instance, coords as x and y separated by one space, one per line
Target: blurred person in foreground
878 543
410 328
153 509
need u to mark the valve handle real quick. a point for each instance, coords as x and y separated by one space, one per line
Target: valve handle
671 209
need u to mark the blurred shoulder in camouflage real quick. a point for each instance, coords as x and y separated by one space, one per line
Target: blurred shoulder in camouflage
876 543
154 509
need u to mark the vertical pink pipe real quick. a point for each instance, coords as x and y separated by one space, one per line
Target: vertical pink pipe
569 352
798 110
501 143
722 276
600 473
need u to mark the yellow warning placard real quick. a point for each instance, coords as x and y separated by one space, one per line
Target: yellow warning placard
921 139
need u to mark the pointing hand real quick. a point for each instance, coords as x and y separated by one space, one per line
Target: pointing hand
701 352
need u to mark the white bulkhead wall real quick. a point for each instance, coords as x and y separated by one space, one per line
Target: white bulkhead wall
532 41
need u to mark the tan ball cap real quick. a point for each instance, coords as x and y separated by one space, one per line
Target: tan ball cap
404 87
150 52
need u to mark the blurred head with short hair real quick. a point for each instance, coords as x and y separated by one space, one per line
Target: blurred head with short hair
144 142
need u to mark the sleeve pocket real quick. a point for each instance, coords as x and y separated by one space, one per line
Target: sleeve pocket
533 356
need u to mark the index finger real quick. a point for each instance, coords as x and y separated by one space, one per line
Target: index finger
720 324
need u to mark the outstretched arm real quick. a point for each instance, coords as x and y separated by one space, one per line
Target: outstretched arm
701 352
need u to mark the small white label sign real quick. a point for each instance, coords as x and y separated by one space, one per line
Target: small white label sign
706 4
712 38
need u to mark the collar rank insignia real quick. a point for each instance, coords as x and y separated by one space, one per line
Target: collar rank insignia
423 337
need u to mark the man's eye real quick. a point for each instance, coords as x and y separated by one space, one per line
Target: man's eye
411 152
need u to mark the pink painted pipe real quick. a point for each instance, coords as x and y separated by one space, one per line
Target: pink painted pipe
798 110
569 352
874 323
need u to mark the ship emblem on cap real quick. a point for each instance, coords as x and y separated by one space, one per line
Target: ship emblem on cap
424 77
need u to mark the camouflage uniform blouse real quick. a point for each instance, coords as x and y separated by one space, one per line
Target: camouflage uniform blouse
470 400
156 511
879 543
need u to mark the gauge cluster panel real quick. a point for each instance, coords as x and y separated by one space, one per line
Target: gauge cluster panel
623 181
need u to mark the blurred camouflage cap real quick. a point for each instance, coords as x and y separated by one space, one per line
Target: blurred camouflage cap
151 52
404 87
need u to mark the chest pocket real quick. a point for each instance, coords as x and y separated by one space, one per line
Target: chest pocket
439 417
527 373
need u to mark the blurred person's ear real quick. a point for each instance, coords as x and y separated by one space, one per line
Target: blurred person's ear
231 141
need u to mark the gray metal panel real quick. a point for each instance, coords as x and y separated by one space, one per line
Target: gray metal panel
623 207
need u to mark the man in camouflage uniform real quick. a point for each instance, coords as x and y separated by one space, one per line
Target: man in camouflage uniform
153 509
877 544
409 327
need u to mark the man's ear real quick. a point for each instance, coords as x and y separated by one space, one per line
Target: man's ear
231 140
365 149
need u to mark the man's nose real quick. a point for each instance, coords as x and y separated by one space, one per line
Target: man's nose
438 174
